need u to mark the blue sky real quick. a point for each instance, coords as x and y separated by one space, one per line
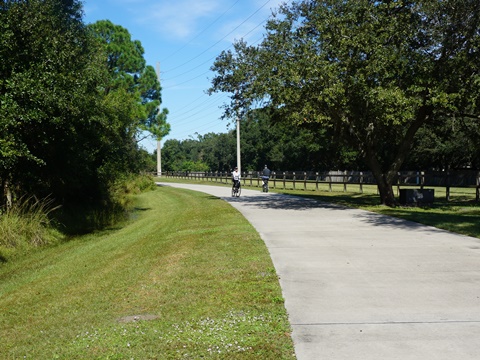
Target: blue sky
185 37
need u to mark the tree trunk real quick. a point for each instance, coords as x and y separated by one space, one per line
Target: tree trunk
384 181
387 196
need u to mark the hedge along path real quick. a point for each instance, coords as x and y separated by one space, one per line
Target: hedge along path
186 276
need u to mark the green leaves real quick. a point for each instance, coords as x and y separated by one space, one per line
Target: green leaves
374 70
71 103
129 73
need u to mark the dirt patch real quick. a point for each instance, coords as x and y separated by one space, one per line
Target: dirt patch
134 318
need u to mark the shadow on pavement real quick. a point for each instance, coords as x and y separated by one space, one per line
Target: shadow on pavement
282 202
390 221
289 202
275 201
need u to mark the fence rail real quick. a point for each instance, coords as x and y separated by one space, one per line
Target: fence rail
314 180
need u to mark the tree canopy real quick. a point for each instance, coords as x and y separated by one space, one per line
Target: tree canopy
73 99
373 71
130 74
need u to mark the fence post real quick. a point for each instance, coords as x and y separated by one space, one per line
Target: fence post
274 179
316 181
344 176
284 180
477 195
398 183
361 182
294 178
305 181
422 179
329 182
447 187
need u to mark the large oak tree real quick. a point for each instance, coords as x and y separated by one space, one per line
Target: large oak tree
374 71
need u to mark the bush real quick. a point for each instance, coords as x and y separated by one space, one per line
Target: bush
111 210
27 225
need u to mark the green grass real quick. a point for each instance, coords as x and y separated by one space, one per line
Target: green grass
186 277
460 215
25 227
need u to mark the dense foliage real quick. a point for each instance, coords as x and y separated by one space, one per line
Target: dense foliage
373 71
73 100
262 141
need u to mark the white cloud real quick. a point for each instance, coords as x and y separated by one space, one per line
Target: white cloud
180 18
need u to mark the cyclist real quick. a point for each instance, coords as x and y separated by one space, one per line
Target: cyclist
265 176
236 178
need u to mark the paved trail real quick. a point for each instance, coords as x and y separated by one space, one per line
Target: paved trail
358 285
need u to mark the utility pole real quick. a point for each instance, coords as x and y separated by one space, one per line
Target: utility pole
159 145
238 141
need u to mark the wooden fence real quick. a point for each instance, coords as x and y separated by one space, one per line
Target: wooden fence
468 179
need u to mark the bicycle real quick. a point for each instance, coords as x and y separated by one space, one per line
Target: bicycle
236 189
265 184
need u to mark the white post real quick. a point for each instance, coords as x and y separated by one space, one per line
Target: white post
159 158
238 142
159 145
238 146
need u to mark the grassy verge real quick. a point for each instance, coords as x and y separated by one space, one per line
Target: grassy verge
26 226
460 215
187 277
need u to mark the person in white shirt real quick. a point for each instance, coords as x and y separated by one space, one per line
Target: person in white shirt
236 177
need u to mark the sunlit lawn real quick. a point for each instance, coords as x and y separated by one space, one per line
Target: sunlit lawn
186 278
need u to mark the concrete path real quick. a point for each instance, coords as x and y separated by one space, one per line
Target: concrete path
358 285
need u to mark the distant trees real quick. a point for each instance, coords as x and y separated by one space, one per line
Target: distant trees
373 72
71 103
263 141
446 144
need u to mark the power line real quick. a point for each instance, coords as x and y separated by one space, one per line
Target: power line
211 101
214 57
201 32
210 47
194 112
